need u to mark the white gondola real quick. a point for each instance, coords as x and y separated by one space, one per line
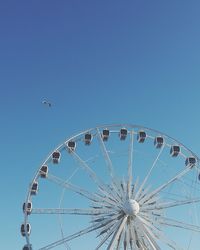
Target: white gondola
190 161
158 142
141 136
26 247
123 133
25 229
44 171
27 208
175 150
88 139
105 134
56 157
71 145
34 188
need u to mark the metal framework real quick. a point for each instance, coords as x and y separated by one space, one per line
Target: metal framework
150 191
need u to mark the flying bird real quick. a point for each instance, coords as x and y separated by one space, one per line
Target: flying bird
45 102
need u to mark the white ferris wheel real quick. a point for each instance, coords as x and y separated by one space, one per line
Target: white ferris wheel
115 187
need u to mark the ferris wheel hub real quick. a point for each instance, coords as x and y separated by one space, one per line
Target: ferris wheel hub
131 207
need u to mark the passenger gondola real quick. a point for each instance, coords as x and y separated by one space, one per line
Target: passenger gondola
141 136
44 171
71 145
158 141
25 229
56 157
27 207
123 133
105 134
174 151
190 161
34 188
88 139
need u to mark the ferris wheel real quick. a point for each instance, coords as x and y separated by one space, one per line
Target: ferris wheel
115 187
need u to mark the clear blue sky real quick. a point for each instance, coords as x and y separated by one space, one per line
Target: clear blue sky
98 62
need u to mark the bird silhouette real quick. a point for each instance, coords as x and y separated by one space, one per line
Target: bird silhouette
45 102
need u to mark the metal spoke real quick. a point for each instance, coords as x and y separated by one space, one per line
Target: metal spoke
76 211
92 174
91 196
107 227
106 155
151 238
148 174
165 205
111 193
157 190
68 238
158 233
76 189
132 237
120 239
130 163
108 219
123 190
88 170
174 223
135 185
87 230
126 237
137 239
117 234
113 228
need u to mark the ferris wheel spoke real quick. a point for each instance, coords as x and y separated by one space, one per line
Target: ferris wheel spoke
119 189
120 239
130 163
115 182
126 237
141 242
134 187
75 211
76 189
106 220
117 234
158 233
132 237
149 235
111 193
92 175
172 244
137 196
80 233
148 221
69 238
170 204
174 223
138 242
107 228
84 165
151 242
144 192
159 189
106 155
110 229
123 189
